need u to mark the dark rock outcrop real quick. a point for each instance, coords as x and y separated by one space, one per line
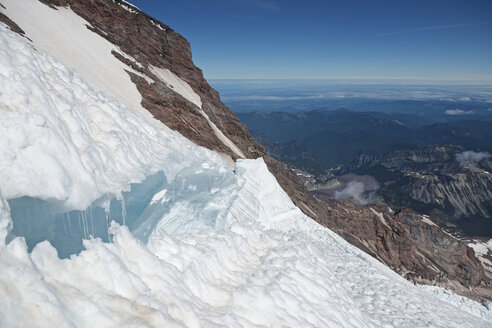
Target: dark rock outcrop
10 23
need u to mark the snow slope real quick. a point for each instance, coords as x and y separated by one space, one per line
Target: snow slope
217 248
69 45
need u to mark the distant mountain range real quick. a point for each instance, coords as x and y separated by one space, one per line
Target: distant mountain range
321 139
413 158
452 185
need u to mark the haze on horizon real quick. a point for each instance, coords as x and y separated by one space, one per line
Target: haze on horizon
363 40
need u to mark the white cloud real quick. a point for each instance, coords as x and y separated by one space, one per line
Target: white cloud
358 191
471 157
458 112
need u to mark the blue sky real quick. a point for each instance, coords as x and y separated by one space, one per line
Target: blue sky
314 39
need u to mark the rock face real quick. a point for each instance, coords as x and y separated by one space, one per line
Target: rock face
413 246
417 250
410 159
467 192
434 175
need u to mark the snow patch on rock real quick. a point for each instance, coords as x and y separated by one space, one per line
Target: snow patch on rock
380 217
428 221
184 89
221 136
481 248
128 6
158 25
177 84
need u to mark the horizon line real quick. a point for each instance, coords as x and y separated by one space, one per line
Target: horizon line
428 80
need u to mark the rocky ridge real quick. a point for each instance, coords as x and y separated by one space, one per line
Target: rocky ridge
435 176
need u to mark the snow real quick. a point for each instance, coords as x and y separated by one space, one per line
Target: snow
159 197
221 136
129 7
480 248
176 84
133 60
232 251
69 45
484 312
380 217
426 219
158 25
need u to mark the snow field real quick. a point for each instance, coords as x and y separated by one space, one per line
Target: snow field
64 35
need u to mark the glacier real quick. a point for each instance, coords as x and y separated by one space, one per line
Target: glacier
181 239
